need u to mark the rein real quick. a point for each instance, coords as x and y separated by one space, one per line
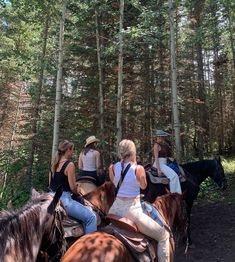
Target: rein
53 254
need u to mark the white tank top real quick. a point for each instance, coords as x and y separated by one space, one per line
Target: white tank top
130 186
88 160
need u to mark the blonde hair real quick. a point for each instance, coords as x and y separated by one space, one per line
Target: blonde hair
127 149
62 148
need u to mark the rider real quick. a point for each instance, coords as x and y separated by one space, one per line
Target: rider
162 152
128 204
63 173
89 161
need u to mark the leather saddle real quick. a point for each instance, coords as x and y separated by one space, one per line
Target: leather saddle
156 179
73 227
141 247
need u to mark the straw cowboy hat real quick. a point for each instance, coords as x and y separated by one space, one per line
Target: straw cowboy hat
160 133
91 139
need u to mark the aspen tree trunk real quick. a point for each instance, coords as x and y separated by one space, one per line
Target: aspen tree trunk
36 112
174 83
101 97
120 76
59 82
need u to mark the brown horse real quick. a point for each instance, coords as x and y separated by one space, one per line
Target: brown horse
32 230
104 247
100 200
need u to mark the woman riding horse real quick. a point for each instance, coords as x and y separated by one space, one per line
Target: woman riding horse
104 247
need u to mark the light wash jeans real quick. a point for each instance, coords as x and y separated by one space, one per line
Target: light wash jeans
132 209
80 212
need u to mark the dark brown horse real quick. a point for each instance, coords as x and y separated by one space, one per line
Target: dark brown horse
104 247
33 230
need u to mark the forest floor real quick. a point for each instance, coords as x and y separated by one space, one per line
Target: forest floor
212 230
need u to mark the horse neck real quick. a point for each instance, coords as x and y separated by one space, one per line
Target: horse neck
21 227
197 171
167 209
102 197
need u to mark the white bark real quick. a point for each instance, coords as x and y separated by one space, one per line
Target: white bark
120 76
59 82
101 97
174 83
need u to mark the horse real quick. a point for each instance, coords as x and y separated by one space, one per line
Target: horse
105 247
100 201
195 173
33 232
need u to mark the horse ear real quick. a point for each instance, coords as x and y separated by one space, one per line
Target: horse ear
34 194
58 194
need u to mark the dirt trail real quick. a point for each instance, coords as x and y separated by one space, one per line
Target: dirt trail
213 230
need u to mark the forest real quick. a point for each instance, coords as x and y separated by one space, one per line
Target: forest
114 69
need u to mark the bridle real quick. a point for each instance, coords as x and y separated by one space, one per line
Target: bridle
53 246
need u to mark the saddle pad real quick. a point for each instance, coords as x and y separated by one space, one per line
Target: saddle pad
158 179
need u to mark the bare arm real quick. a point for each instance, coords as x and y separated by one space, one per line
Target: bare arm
141 177
70 172
80 164
111 173
97 161
156 149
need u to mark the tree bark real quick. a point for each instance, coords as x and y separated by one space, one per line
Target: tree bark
174 83
101 96
59 82
120 76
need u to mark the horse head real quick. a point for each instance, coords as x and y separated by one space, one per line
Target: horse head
102 197
218 175
53 242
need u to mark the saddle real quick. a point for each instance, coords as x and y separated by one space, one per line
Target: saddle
73 227
141 247
156 179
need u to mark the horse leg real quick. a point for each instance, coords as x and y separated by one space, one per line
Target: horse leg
189 206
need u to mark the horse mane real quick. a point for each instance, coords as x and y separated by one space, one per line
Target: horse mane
104 192
16 226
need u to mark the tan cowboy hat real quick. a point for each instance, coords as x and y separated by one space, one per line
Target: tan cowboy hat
160 133
91 139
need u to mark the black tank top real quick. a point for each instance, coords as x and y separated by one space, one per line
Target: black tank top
165 150
59 178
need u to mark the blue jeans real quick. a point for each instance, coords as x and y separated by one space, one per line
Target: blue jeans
80 212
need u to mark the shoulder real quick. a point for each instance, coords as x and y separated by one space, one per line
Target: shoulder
140 169
70 165
96 152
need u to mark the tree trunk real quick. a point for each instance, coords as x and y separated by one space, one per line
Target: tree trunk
174 83
120 76
203 119
59 82
101 97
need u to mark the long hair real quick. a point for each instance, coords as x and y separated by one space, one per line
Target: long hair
127 149
86 149
62 148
